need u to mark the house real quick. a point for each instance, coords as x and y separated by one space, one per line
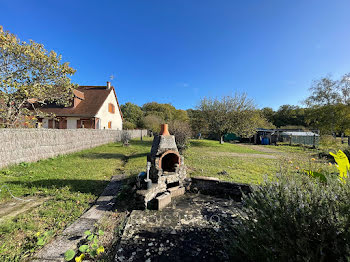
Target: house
93 107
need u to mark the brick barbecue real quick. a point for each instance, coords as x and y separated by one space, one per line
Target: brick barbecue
165 172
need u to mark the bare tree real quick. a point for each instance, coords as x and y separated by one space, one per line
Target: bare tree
344 89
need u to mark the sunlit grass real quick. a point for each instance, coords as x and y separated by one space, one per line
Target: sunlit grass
74 181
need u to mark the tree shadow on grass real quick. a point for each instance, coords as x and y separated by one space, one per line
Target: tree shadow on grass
103 156
141 143
138 155
83 186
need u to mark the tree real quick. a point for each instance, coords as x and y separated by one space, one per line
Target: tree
132 113
235 114
328 102
323 92
30 75
128 125
344 89
198 122
164 111
182 132
152 122
268 113
288 115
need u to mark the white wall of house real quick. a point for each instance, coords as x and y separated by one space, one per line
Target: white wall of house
105 116
72 123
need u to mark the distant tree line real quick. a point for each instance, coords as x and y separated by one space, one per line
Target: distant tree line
327 108
212 118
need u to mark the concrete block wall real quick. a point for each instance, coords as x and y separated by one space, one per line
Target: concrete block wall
29 145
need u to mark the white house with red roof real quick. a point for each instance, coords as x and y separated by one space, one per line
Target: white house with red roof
93 107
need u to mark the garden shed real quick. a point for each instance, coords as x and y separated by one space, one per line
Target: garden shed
301 137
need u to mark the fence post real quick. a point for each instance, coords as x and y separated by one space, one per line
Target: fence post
141 136
314 142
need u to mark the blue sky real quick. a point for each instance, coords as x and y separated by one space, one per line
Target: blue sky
178 51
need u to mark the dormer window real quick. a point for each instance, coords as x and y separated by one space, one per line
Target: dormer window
111 108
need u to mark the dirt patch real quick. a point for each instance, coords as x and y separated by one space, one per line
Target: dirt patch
245 155
261 148
15 207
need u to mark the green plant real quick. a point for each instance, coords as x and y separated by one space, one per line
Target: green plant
90 248
343 167
69 255
343 164
318 175
295 218
43 237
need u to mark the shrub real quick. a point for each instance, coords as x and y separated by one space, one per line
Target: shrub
128 125
328 142
125 138
182 132
295 218
152 122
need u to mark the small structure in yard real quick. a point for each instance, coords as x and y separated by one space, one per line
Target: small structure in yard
165 173
297 137
301 138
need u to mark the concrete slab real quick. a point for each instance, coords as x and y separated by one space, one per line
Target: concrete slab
176 191
163 200
191 228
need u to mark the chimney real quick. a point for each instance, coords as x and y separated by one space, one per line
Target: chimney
164 130
108 85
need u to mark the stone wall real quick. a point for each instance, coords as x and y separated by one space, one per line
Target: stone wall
215 187
29 145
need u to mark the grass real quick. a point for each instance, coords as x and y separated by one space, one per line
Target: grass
203 162
74 181
215 146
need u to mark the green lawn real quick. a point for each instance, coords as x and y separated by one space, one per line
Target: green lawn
209 158
73 182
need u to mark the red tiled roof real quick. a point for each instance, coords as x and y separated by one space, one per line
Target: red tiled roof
92 97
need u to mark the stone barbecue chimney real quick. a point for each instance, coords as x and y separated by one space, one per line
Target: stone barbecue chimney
167 170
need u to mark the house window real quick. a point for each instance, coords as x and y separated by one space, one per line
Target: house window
110 124
111 108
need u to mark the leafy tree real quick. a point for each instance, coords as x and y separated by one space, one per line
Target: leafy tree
235 114
323 92
30 75
268 113
128 125
198 122
164 111
132 113
180 115
288 115
329 102
152 122
344 89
